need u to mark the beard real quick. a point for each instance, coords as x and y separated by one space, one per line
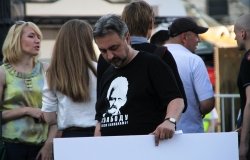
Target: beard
118 62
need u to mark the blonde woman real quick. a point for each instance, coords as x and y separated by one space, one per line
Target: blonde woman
69 94
21 83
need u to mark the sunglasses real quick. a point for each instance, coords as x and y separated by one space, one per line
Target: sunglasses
19 23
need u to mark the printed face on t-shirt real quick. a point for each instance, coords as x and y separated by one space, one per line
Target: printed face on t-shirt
117 95
117 98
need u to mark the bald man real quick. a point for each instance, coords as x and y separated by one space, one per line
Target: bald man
242 36
183 39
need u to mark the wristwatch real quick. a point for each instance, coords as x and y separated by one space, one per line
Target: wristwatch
172 120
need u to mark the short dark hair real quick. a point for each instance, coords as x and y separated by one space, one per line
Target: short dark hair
110 23
160 37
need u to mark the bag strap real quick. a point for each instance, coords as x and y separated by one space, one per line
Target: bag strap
160 51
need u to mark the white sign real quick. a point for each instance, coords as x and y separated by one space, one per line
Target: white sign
197 146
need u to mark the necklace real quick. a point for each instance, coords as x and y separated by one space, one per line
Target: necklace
28 83
27 77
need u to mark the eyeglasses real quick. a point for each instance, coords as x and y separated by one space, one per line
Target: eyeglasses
18 23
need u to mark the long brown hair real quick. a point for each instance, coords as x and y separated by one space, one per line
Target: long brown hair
72 61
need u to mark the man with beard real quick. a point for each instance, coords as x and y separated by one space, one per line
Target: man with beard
153 101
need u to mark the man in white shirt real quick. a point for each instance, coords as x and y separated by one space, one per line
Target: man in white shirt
182 43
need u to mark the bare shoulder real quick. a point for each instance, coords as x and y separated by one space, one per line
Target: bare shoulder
2 75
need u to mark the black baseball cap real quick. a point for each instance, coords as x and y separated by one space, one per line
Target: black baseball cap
181 25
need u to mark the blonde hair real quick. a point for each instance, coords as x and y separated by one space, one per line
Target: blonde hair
72 60
12 49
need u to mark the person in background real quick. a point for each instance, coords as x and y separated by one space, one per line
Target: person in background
210 121
135 15
151 105
159 38
21 82
242 36
183 39
69 93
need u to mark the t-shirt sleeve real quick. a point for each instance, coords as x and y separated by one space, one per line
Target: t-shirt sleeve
201 81
49 99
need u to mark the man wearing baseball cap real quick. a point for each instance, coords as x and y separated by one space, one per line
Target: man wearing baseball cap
183 25
183 39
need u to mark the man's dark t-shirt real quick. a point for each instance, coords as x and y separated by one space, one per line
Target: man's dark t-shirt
150 48
140 94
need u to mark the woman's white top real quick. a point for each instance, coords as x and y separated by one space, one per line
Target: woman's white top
71 113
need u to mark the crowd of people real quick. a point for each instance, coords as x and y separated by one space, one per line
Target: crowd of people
140 84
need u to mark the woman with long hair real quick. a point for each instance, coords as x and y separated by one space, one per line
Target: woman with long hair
69 94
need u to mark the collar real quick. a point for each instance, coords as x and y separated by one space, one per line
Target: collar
138 40
176 46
